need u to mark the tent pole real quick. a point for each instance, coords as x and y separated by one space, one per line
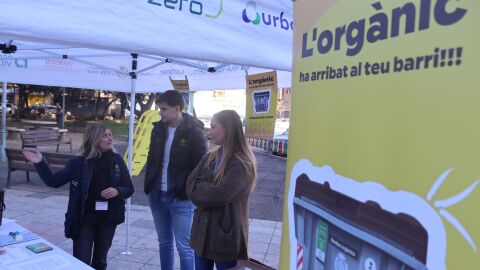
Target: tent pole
191 95
4 120
63 107
130 145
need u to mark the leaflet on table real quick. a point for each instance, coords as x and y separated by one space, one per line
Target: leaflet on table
7 221
54 262
14 254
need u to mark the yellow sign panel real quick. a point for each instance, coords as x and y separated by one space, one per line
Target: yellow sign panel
383 150
141 140
35 99
261 105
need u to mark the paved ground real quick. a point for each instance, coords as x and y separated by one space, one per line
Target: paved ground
41 210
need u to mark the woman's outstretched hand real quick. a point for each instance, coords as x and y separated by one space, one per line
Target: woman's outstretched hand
35 157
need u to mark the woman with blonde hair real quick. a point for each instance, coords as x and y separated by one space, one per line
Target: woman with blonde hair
220 188
99 184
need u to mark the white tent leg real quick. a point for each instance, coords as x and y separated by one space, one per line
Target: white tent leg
4 121
63 107
191 95
130 156
130 147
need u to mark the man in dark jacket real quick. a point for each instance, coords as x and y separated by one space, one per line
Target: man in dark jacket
177 145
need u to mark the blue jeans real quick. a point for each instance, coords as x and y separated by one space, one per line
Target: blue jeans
202 263
172 217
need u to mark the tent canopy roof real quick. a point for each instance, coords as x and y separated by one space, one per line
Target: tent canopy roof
237 32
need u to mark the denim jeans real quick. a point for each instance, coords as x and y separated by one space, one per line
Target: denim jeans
172 217
97 231
202 263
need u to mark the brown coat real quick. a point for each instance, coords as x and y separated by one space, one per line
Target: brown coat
220 222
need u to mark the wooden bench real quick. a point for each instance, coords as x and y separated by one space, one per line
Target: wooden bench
13 133
17 162
44 137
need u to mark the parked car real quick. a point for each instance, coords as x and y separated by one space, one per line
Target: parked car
11 108
282 136
44 107
43 111
282 124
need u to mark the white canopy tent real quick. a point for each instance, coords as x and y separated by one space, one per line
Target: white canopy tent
243 32
134 46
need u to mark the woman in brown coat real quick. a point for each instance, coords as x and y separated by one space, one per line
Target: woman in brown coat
220 187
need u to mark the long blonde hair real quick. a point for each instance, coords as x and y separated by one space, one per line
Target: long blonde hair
91 138
234 145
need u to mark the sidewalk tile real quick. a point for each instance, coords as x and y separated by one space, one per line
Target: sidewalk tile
258 247
144 224
263 223
138 255
155 260
259 238
114 251
115 264
135 232
54 239
57 231
66 244
273 249
40 228
153 235
15 214
257 256
272 260
119 240
150 267
276 240
261 229
146 243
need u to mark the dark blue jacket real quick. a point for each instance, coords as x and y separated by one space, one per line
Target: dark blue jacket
188 147
78 172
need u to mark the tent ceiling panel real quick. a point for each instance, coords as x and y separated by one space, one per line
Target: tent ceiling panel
100 69
251 33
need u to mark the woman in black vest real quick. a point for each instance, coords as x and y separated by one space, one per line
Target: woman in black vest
99 184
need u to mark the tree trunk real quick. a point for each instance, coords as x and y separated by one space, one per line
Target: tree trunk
124 101
22 99
108 105
145 101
